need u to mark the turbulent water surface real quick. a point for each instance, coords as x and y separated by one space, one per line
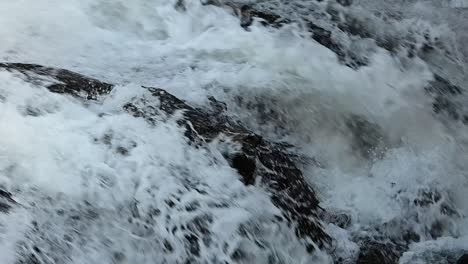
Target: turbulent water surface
81 199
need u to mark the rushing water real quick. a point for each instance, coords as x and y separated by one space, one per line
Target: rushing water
64 168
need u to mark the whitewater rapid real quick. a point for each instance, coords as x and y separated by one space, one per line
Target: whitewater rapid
52 160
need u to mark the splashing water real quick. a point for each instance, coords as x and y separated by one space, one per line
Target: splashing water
108 188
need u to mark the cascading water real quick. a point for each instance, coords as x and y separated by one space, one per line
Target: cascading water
99 186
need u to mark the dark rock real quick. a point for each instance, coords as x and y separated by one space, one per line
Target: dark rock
463 259
246 16
396 230
192 244
211 2
6 201
372 252
180 5
238 255
192 206
200 224
340 219
168 246
217 106
269 19
118 257
66 82
29 259
259 159
442 86
123 151
4 208
443 104
264 113
269 162
345 2
391 239
356 27
246 167
319 34
446 98
427 198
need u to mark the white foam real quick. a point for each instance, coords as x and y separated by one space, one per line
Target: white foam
204 51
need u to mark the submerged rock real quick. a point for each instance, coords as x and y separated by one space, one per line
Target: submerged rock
345 2
463 259
372 252
445 94
367 137
448 99
339 218
6 201
257 161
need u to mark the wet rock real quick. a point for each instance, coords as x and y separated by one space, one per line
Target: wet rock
118 257
433 198
340 219
447 99
463 259
441 86
397 230
217 106
168 246
391 239
443 91
353 25
60 81
122 151
372 252
246 16
259 159
29 259
180 5
269 19
345 2
192 244
270 163
6 201
264 114
318 33
246 167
